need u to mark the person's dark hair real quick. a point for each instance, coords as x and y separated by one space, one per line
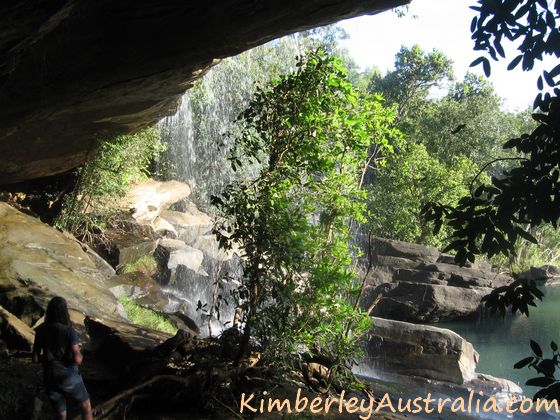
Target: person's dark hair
57 311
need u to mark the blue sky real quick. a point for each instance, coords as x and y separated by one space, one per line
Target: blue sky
444 25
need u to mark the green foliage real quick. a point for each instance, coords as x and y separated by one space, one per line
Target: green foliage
146 264
516 296
465 125
106 177
467 122
411 178
535 22
497 216
416 72
492 220
444 138
145 317
529 254
310 133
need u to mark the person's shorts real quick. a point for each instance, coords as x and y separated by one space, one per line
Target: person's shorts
62 383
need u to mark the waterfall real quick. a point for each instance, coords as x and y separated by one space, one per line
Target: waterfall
197 135
197 149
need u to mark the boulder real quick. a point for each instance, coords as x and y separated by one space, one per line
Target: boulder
148 198
491 385
211 248
459 276
190 224
189 257
14 332
132 253
170 254
193 283
420 350
422 302
164 228
103 266
38 262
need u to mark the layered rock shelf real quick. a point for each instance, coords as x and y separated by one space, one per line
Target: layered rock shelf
416 283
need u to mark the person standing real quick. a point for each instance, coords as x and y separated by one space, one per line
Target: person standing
57 347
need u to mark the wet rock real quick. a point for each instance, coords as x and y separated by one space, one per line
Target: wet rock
170 254
131 254
420 350
188 256
491 385
183 322
15 333
137 286
193 283
210 246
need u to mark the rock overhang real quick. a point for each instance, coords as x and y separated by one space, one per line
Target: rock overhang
73 72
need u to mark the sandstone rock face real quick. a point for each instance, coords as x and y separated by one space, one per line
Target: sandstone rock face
421 350
148 198
75 71
415 283
428 302
405 250
38 262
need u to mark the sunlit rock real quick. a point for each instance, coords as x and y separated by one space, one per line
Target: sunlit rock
148 199
38 262
415 283
190 224
420 350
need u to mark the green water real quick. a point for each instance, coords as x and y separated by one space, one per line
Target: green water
503 342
